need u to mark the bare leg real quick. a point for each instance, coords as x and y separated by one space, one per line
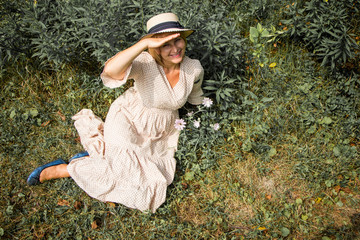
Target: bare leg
58 171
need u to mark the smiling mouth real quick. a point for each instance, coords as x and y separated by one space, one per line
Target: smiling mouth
178 54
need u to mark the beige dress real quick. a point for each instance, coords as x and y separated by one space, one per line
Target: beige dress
131 155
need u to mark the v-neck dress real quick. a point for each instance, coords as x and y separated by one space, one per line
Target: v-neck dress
131 155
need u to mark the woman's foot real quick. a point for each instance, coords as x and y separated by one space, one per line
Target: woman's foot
58 171
34 177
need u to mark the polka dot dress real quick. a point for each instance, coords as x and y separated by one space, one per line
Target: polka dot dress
131 154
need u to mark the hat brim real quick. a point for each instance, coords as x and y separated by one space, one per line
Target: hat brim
186 32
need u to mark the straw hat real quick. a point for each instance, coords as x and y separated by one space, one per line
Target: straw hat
165 22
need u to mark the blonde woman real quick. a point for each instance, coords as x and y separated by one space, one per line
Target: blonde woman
129 158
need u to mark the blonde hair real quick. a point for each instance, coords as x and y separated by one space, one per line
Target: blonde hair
157 56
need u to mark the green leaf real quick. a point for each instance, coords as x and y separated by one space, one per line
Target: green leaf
326 120
20 195
265 33
304 217
305 88
189 176
285 231
329 161
287 213
272 152
210 88
247 146
336 151
299 201
254 32
251 38
340 204
10 210
328 183
312 129
34 112
266 99
25 116
12 114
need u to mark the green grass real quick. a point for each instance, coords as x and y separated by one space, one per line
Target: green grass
299 179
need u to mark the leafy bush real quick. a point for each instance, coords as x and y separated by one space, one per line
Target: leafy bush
260 37
221 50
326 28
89 32
250 12
14 41
78 31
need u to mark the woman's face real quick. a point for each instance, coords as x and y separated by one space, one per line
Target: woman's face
172 52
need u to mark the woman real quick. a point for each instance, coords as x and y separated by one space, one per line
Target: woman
130 157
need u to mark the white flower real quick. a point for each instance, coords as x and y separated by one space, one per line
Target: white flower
179 124
189 114
196 124
207 102
216 126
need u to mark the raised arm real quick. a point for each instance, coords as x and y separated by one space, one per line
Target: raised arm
116 66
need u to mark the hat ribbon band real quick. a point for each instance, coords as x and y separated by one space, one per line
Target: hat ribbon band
165 25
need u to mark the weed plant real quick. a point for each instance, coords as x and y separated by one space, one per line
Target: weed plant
284 163
327 28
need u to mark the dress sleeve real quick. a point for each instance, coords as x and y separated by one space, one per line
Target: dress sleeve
196 95
133 72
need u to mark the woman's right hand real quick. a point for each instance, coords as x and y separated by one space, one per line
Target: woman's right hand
156 42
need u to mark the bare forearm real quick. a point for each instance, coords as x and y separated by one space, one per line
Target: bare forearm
117 66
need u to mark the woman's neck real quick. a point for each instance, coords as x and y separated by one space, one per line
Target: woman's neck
171 68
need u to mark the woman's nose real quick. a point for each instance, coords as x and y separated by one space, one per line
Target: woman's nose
173 48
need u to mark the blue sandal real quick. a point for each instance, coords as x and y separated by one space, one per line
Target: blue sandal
34 177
